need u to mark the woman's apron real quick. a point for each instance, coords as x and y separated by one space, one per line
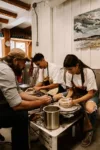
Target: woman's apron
77 93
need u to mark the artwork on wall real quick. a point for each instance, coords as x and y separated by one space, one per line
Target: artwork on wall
87 30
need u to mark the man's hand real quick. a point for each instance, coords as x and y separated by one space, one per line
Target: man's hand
46 99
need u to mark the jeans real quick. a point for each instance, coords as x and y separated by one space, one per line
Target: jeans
95 98
18 120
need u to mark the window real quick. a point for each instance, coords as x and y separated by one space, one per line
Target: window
24 44
20 45
12 44
16 44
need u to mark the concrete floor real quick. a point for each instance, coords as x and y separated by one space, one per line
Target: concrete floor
65 142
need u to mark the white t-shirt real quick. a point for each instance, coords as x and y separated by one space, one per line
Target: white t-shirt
89 77
54 74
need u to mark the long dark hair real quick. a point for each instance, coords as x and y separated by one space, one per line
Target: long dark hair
71 61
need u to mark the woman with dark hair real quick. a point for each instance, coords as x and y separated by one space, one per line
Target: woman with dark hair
82 89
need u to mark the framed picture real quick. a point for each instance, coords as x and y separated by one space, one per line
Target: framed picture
87 30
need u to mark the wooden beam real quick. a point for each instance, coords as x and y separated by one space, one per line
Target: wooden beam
8 13
2 20
28 28
6 49
18 4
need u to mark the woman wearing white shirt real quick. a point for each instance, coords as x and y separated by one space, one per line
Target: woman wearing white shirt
82 89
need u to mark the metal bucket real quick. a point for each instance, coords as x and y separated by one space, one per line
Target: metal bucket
51 117
24 86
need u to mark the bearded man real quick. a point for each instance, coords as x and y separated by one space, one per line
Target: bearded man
14 103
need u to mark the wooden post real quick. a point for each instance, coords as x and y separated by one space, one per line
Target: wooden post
6 48
29 49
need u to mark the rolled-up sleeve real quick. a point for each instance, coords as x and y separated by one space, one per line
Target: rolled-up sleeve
8 87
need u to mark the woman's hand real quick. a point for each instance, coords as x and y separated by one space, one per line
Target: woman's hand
57 96
71 102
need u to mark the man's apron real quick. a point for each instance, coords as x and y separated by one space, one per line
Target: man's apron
48 81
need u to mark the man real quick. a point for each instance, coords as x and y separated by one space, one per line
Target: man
13 102
50 76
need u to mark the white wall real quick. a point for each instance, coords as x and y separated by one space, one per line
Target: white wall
44 30
56 31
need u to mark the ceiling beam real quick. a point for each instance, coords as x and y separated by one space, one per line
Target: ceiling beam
8 13
28 29
2 20
18 4
20 20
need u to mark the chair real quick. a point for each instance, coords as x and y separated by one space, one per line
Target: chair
5 139
97 73
2 138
